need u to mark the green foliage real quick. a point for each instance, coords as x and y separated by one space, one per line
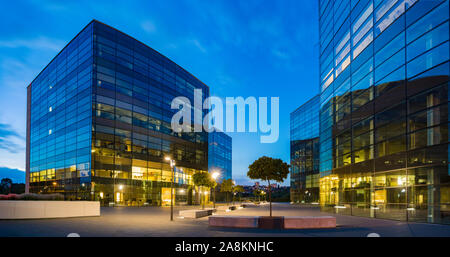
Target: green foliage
266 168
238 189
203 179
226 186
5 186
258 192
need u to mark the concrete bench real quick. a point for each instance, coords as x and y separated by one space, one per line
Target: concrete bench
194 213
210 210
226 207
233 221
300 222
19 209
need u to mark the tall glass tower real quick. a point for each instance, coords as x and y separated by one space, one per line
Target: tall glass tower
384 72
304 137
99 123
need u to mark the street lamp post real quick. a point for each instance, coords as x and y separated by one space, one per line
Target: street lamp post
215 175
172 165
232 190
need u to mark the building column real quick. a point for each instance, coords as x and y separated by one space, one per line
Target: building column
27 161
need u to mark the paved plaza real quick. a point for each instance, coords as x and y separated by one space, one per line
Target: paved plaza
154 221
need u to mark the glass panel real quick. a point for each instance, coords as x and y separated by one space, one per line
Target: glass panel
428 41
389 65
428 60
428 22
363 44
392 47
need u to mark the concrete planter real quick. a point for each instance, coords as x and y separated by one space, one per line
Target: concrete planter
194 213
211 211
233 221
48 209
274 222
302 222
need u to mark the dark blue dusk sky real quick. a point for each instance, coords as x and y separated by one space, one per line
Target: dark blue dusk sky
236 47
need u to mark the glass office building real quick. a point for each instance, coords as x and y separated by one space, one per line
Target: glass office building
219 155
304 134
99 123
384 71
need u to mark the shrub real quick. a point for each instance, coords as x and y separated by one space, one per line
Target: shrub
33 197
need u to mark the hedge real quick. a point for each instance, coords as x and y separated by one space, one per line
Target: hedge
33 197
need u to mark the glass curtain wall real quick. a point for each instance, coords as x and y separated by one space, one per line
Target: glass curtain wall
304 134
60 121
133 90
220 155
100 116
384 69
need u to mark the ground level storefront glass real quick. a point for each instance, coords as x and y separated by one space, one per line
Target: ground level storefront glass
125 191
143 193
418 194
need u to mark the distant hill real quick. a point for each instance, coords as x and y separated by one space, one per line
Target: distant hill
17 176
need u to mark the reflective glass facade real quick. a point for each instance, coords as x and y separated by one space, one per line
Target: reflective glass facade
219 155
384 71
99 123
304 124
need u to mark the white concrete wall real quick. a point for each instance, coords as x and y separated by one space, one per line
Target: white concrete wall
48 209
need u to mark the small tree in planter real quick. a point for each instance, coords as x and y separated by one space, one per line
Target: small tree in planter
238 189
203 179
227 187
258 193
267 169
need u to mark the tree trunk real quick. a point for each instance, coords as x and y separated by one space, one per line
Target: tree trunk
204 200
270 198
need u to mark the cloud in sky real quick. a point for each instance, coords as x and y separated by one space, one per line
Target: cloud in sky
39 43
21 59
9 139
280 54
12 148
148 26
199 46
